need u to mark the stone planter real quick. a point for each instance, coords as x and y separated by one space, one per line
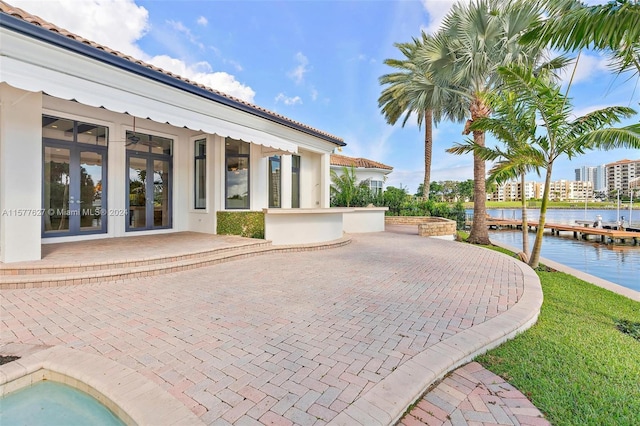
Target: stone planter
428 226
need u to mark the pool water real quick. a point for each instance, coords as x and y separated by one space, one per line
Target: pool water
52 403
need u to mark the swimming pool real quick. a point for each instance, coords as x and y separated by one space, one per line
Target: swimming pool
52 403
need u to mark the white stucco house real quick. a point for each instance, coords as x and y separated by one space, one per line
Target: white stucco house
96 144
365 170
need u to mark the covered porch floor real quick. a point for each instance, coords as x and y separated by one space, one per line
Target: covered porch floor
117 259
130 249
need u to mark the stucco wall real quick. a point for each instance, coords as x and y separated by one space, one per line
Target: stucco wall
364 219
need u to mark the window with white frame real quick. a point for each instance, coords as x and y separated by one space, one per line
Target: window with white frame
375 186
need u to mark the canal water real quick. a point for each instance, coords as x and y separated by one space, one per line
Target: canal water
618 263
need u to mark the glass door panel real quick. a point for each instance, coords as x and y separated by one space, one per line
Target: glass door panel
91 206
57 187
160 193
149 198
137 192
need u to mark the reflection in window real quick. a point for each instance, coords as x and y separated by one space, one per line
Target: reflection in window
201 174
56 189
295 181
237 174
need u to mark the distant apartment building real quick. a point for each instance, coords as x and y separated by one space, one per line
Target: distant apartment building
597 175
512 191
621 174
571 190
559 190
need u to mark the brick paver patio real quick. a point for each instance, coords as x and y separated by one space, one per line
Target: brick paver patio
473 396
290 338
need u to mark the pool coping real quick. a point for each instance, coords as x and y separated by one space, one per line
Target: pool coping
131 396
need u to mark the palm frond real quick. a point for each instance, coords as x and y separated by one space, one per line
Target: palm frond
598 119
610 138
614 26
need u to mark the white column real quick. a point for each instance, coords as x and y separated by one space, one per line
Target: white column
117 176
285 181
325 180
258 179
20 174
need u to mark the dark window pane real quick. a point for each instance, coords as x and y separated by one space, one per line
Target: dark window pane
200 178
274 182
295 181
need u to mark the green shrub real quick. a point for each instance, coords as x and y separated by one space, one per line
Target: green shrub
245 224
347 192
394 199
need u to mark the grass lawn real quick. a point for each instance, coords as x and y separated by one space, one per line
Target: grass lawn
575 365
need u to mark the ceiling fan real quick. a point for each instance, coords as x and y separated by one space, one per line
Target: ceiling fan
133 139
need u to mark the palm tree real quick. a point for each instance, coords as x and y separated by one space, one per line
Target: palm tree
464 56
614 26
515 126
563 136
345 188
410 91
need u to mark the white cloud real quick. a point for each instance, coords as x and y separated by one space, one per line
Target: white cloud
297 74
296 100
202 73
179 26
589 67
202 21
437 10
119 24
314 94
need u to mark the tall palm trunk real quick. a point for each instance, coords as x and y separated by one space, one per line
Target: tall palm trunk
428 149
479 232
537 245
525 230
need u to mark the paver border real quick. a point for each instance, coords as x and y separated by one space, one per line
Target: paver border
135 399
387 401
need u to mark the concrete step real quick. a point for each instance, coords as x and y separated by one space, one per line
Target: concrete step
49 269
169 265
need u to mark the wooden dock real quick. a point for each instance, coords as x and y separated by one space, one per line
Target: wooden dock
579 231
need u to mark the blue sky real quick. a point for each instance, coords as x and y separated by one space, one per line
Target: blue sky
317 62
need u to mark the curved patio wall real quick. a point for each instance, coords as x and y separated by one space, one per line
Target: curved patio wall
303 226
364 219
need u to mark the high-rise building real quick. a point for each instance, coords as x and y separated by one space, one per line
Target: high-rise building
594 174
600 183
620 174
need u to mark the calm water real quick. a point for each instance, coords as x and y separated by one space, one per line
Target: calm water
51 403
618 263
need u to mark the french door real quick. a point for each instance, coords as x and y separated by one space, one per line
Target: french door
149 191
74 189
